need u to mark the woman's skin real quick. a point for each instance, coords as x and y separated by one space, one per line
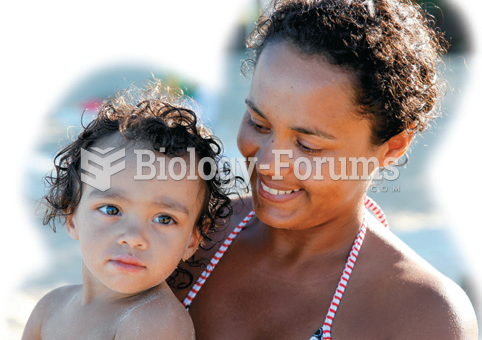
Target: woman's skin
278 277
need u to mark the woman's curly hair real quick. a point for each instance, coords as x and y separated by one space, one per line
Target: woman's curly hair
390 45
158 117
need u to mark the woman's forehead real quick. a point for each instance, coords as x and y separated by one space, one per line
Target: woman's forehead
285 58
286 80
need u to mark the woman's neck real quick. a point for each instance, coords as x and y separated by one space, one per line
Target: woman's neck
331 238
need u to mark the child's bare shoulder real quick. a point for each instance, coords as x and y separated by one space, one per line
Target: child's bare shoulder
158 316
45 309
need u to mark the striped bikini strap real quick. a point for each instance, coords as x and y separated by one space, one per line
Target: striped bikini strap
350 264
214 261
369 204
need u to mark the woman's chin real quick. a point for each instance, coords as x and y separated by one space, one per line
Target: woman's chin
276 215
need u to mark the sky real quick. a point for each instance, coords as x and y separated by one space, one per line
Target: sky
47 46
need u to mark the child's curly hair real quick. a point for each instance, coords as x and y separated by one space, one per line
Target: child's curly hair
390 45
159 117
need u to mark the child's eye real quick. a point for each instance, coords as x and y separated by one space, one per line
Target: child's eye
164 219
257 127
308 150
109 210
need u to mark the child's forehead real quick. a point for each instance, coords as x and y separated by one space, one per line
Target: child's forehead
131 147
141 161
117 141
141 158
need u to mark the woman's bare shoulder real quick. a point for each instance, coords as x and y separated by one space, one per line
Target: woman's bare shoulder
426 303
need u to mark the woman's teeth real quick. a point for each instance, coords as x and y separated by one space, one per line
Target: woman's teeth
277 192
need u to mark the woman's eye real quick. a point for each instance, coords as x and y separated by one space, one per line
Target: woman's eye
308 150
164 219
257 127
109 210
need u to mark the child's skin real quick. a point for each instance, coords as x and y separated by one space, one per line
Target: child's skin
132 237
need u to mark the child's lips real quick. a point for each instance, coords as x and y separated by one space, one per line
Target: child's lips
127 263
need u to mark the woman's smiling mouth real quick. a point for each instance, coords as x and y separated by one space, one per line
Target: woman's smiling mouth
277 195
277 192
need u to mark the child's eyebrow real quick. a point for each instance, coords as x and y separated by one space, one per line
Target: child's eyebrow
168 202
107 194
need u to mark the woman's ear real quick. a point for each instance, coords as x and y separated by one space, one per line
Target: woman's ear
395 147
70 226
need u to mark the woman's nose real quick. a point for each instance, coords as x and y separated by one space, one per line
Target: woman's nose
274 160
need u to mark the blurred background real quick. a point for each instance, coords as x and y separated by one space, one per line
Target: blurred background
64 59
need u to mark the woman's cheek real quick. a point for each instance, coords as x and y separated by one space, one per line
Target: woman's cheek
247 141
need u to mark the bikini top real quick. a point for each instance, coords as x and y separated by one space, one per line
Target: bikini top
324 332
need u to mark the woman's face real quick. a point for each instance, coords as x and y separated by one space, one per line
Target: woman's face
303 104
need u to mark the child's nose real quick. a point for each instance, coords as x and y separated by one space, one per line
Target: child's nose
134 236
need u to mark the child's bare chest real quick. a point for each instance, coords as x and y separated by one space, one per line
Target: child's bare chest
88 324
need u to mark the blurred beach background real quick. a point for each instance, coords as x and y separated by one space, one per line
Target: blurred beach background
63 59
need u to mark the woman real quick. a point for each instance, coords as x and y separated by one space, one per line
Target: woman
335 79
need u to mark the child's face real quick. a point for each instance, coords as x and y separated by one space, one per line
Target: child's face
133 235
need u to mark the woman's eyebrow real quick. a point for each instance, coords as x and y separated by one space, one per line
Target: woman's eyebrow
313 132
306 131
253 107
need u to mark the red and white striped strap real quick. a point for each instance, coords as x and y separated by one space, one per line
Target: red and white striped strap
369 204
350 264
375 208
214 261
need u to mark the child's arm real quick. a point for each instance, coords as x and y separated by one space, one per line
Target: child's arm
37 317
45 310
157 320
34 324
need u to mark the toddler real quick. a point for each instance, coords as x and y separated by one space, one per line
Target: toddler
138 201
